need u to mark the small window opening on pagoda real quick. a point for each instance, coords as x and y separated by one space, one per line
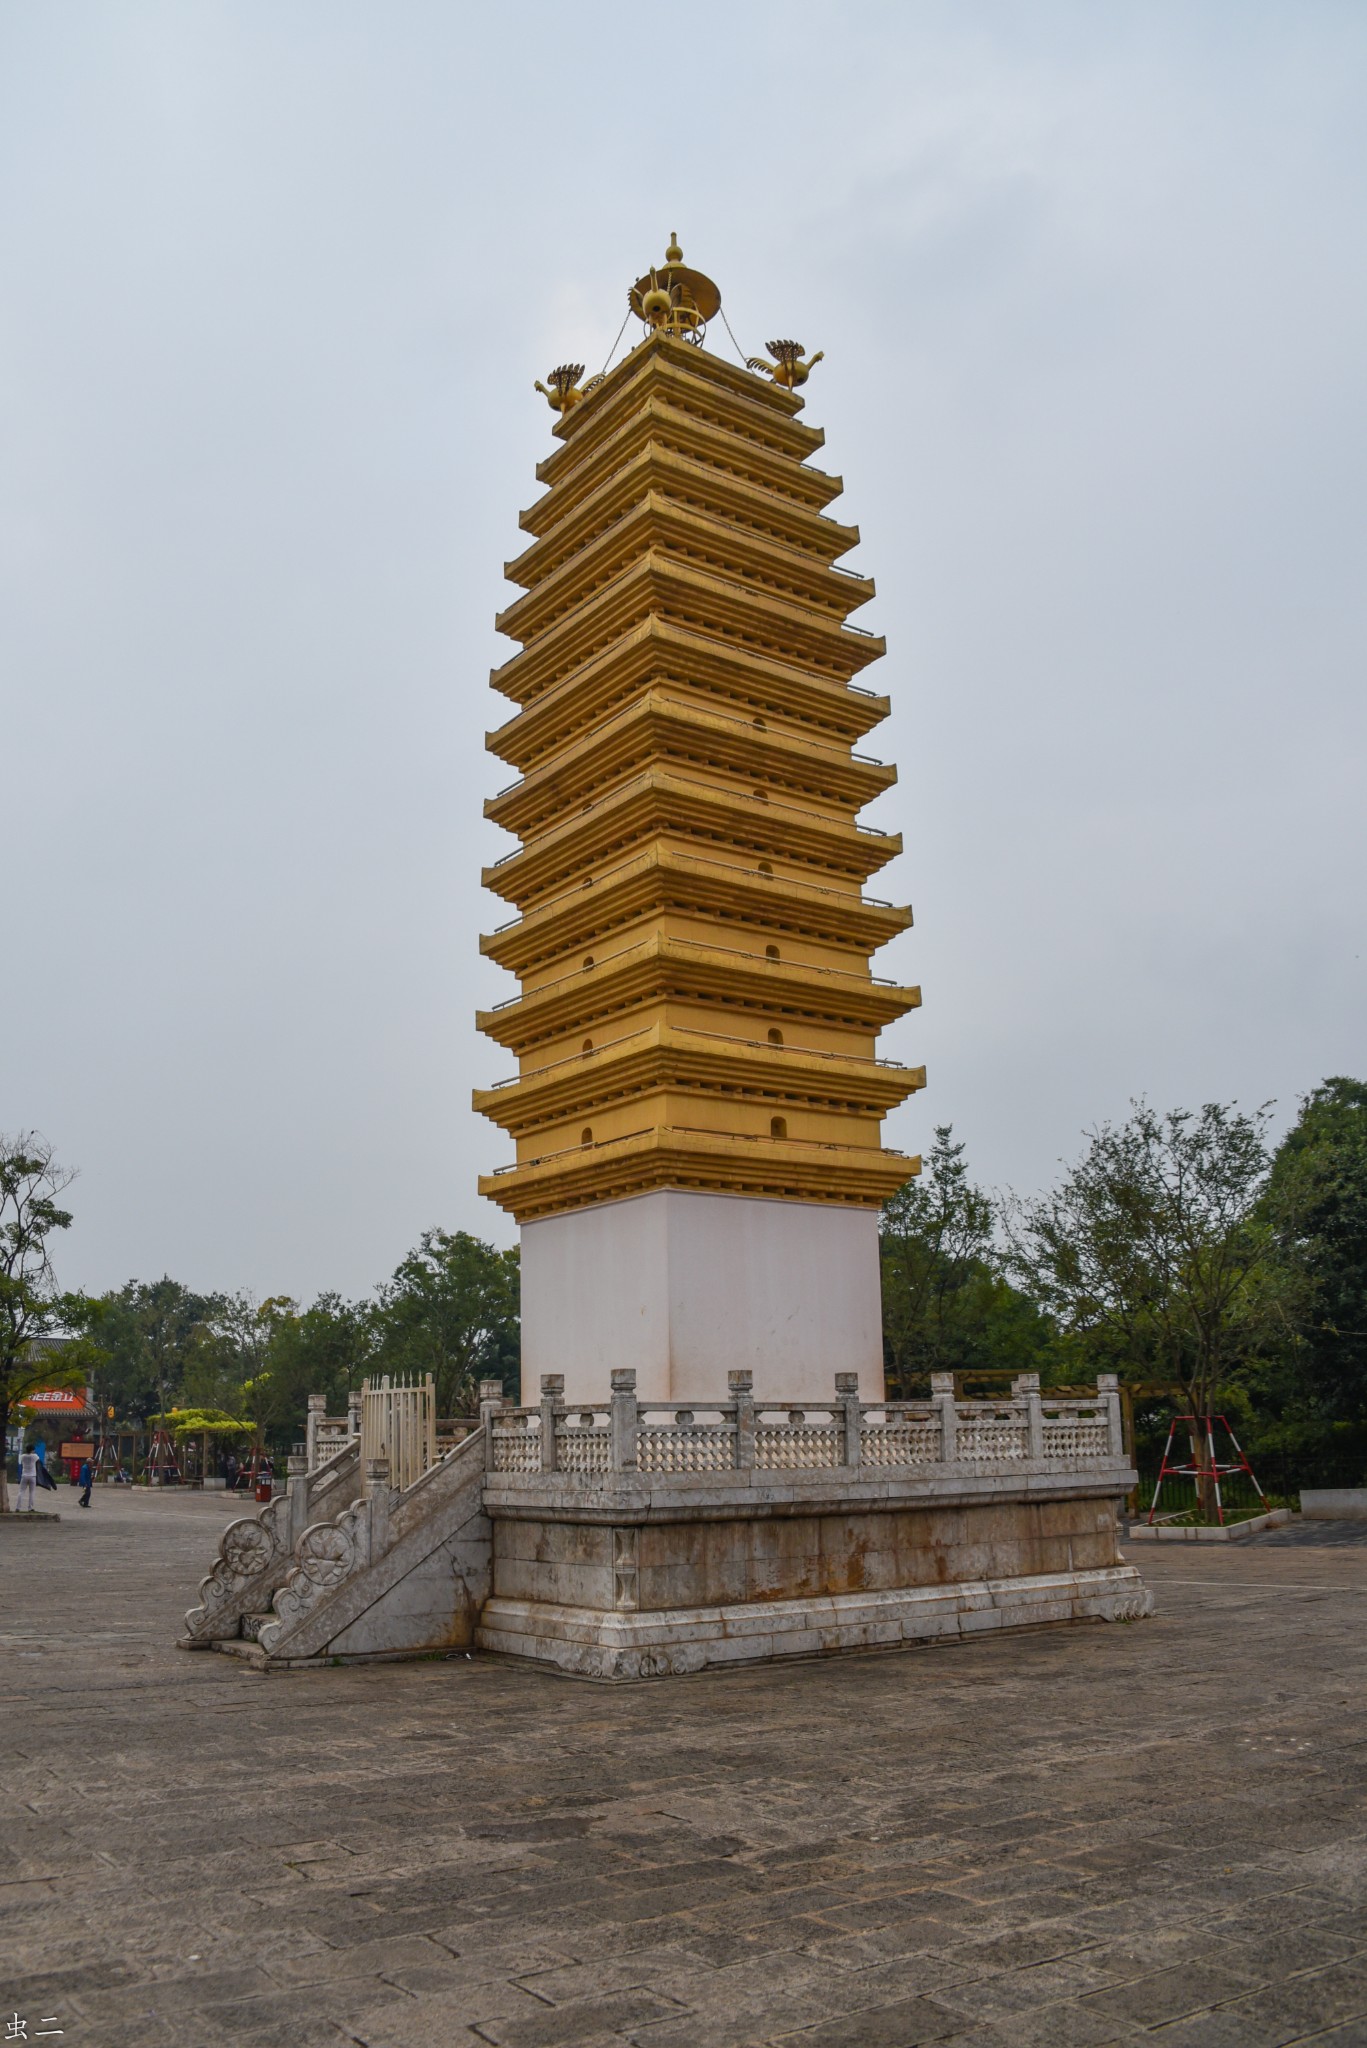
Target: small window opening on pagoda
588 960
778 1127
766 867
586 1135
771 953
775 1035
588 1045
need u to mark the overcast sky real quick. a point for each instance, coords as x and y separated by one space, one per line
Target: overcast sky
276 277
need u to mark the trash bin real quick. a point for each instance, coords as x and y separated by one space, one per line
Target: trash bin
265 1487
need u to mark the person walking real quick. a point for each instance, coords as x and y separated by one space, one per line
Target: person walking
28 1479
86 1481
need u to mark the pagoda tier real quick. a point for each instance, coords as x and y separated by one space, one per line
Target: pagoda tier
697 1008
726 680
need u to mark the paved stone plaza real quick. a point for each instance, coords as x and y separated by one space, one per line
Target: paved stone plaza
1153 1832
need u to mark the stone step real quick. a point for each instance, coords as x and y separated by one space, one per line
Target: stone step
394 1573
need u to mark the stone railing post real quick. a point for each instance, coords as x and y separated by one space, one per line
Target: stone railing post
741 1386
1025 1387
297 1485
624 1418
847 1401
552 1404
1108 1390
490 1402
377 1500
353 1414
318 1404
942 1394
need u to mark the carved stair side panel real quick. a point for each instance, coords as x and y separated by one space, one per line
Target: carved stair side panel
344 1566
247 1550
326 1554
254 1553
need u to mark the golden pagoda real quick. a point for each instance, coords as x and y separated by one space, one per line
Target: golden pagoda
697 1011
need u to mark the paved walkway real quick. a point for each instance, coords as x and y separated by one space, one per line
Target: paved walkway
1150 1833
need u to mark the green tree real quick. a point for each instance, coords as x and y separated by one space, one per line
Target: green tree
947 1306
264 1359
1316 1205
151 1334
31 1187
1152 1255
326 1349
450 1309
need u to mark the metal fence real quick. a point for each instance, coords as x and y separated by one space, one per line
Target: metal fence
399 1422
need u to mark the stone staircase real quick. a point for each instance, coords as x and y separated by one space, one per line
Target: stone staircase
389 1573
256 1553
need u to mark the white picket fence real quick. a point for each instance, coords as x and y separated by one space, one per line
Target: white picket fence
399 1422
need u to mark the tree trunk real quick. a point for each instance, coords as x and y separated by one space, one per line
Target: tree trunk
1205 1477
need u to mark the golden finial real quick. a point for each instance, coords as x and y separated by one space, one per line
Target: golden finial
674 300
787 367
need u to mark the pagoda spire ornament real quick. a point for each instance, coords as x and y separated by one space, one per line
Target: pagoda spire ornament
672 299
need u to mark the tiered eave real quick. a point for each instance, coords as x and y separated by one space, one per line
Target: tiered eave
697 1008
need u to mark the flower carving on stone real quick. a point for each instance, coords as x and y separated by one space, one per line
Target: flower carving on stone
247 1548
326 1554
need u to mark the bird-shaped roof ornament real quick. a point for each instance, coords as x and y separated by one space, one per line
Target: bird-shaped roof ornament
565 388
787 368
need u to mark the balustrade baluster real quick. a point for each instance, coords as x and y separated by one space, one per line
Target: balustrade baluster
742 1386
942 1395
625 1419
847 1402
552 1406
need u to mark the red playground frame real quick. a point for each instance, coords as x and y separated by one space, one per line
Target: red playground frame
1205 1424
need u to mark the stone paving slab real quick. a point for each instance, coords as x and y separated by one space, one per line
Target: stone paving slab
1062 1839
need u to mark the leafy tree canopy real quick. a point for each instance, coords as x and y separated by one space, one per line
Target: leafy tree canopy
31 1187
1151 1253
1316 1205
947 1305
146 1334
450 1309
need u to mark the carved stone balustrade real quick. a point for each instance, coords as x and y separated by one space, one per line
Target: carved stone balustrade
626 1435
325 1435
632 1538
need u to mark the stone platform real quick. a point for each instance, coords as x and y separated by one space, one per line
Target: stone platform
631 1542
626 1539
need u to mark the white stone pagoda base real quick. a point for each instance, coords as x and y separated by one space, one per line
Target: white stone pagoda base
590 1644
642 1575
684 1288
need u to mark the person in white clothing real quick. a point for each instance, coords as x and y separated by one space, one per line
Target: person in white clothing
28 1467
